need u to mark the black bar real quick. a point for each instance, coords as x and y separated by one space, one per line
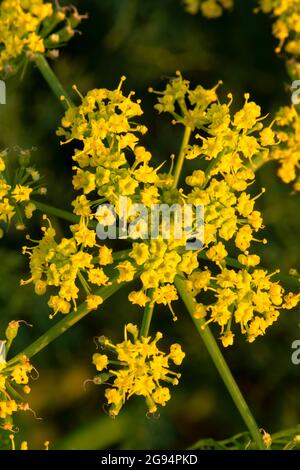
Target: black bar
139 458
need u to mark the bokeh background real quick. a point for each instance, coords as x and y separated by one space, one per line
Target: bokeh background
148 40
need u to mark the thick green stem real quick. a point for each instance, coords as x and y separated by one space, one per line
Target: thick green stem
65 324
52 81
147 317
220 364
180 160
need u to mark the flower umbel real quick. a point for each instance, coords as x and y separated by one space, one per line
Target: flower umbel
67 265
287 152
286 26
249 299
14 380
32 27
19 181
142 370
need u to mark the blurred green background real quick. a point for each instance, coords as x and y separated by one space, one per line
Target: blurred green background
148 40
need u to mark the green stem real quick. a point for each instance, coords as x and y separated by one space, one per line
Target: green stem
212 165
60 213
147 317
53 81
64 325
220 364
180 160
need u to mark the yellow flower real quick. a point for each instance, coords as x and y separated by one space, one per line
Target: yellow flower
149 196
244 237
100 361
189 262
29 209
35 43
176 354
149 278
291 300
140 253
247 117
58 304
199 311
227 339
81 206
105 255
6 210
249 260
97 276
138 298
161 395
217 253
84 180
115 399
83 235
20 373
93 301
165 294
197 178
126 271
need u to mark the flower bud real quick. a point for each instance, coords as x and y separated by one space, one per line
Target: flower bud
12 330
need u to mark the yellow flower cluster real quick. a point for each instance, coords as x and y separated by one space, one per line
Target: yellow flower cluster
230 145
105 125
143 370
249 299
13 380
230 142
228 215
161 260
28 27
287 153
208 8
65 264
286 28
111 163
17 185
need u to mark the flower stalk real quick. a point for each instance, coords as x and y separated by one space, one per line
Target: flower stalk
52 81
56 212
221 365
147 317
181 156
65 324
